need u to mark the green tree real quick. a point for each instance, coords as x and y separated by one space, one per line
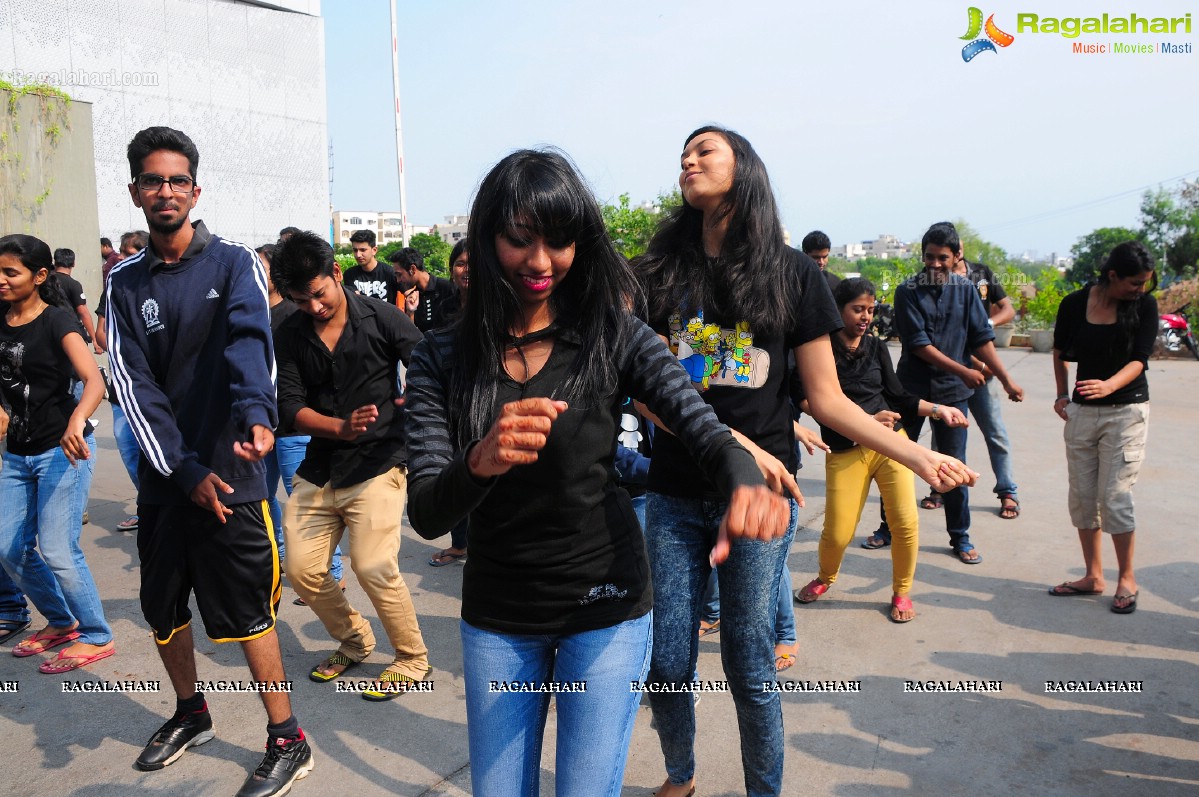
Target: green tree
1092 249
978 250
631 228
435 251
1163 221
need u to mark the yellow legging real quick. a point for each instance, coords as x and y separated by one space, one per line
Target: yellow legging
847 483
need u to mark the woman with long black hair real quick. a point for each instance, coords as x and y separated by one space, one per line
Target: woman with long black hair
1108 329
735 303
48 463
513 414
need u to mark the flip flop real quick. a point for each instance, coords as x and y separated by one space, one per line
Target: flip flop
901 603
38 643
874 542
1066 590
335 659
391 684
128 524
444 557
64 662
961 555
1009 512
709 628
10 628
1129 607
933 501
784 661
813 590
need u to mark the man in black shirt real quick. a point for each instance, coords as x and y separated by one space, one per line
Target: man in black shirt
338 360
370 277
64 262
434 291
817 245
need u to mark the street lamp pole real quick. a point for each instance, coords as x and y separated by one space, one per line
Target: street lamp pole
395 83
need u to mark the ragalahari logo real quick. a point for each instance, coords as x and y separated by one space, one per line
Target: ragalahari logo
981 45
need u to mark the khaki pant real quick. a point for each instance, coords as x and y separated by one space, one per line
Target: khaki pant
1105 445
370 513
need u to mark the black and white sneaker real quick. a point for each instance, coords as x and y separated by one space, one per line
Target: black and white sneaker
286 761
168 742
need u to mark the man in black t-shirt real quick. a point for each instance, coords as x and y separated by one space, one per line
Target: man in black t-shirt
817 245
434 291
370 277
64 261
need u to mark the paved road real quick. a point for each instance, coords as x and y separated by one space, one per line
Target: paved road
992 622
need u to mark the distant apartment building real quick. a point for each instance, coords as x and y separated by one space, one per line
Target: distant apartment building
388 224
885 247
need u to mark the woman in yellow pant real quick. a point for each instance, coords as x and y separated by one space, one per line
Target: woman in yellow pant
868 378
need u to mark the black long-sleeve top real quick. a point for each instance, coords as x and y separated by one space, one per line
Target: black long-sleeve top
868 379
555 546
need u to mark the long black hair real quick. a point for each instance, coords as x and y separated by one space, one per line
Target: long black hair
752 279
35 255
541 192
1128 259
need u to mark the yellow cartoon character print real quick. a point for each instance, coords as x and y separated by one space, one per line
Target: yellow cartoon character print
718 356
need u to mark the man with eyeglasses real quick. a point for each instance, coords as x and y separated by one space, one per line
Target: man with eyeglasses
193 365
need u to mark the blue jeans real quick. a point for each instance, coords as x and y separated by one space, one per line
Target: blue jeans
986 407
12 601
784 618
42 498
680 533
594 727
126 443
950 440
282 463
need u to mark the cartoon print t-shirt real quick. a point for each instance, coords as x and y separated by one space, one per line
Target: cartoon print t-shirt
35 380
380 282
742 375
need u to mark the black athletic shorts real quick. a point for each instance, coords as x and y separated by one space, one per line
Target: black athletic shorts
233 568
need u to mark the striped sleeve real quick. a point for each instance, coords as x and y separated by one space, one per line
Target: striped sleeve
145 404
652 375
441 491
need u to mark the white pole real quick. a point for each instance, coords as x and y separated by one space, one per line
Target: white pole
395 83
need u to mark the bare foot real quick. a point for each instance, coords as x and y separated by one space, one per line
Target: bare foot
784 656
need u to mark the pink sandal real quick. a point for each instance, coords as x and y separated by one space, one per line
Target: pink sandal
41 642
811 592
901 603
64 662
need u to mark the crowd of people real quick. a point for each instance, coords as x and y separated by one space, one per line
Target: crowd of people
613 443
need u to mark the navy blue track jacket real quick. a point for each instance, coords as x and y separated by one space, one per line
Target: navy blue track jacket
193 365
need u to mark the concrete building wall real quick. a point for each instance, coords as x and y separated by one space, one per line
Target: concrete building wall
246 81
48 179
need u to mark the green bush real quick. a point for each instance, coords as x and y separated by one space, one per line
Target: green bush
1040 312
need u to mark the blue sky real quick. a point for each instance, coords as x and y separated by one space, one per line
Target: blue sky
865 114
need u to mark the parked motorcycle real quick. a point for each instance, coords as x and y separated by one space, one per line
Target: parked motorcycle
883 325
1174 331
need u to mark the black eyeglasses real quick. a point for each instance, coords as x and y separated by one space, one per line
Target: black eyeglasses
180 183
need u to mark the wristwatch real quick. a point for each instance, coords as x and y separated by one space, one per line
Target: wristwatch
936 413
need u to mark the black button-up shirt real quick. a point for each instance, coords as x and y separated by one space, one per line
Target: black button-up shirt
362 369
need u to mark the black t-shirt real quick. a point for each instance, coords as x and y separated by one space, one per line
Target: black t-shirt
35 380
743 376
1101 350
989 289
74 291
868 379
438 297
380 282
